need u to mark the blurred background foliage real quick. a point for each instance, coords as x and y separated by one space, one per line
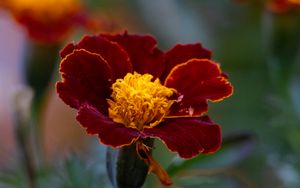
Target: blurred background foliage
257 48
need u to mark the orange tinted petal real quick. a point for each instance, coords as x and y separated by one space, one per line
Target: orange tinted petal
46 21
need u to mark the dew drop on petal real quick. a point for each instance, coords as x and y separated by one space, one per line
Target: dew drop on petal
191 111
180 98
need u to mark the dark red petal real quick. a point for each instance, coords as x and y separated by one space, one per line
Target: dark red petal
188 136
68 49
86 78
113 53
182 53
197 80
47 30
187 109
144 55
214 89
109 132
52 32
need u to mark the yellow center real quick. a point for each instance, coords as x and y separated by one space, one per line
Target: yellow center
139 102
44 9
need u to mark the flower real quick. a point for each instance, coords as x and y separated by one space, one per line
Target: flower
282 5
125 90
48 20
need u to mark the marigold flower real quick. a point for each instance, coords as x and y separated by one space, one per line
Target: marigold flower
48 20
282 5
125 90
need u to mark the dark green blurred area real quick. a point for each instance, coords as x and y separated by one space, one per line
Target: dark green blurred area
259 50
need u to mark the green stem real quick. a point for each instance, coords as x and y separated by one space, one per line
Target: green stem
125 168
40 63
22 133
22 141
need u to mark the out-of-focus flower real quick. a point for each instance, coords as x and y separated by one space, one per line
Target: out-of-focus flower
296 2
282 5
126 90
49 20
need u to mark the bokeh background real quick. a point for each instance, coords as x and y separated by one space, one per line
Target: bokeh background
256 46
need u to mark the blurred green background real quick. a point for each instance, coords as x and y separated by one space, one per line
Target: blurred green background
257 48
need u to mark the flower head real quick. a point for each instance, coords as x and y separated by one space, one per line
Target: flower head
125 90
48 20
282 5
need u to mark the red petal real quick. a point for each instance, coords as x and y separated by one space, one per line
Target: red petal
48 30
182 53
46 33
109 132
144 55
86 79
197 80
69 48
279 6
188 136
214 89
114 55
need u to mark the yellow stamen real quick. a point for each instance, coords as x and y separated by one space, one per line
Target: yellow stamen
139 102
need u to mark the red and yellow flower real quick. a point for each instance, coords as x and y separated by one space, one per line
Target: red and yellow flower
48 20
125 90
282 5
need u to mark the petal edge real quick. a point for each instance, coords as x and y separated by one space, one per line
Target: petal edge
86 78
109 132
188 136
197 81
